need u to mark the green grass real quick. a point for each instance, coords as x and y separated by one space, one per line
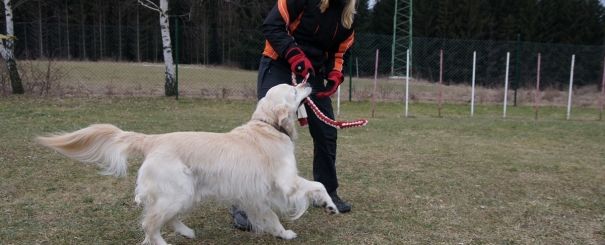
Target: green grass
423 179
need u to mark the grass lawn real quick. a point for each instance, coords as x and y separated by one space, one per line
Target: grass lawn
423 179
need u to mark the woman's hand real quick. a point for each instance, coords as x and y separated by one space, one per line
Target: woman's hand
335 78
299 63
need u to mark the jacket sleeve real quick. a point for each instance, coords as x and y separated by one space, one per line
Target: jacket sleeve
276 27
339 54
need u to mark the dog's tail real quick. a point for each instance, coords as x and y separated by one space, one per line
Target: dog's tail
106 145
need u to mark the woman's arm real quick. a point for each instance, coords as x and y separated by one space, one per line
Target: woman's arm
277 25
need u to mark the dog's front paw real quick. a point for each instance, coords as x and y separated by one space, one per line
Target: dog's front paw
189 233
330 208
287 235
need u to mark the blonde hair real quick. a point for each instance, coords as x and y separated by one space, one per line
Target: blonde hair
347 13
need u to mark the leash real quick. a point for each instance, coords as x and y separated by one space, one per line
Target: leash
302 113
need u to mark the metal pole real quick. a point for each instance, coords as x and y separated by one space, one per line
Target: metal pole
538 86
573 60
473 85
394 40
440 78
517 67
407 83
411 44
375 77
357 69
338 102
350 74
506 83
602 93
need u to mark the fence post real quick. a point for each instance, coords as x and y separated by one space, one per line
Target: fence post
350 73
407 82
440 78
517 68
573 61
506 83
375 78
473 84
538 86
602 93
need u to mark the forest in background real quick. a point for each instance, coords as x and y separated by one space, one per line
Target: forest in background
580 22
226 33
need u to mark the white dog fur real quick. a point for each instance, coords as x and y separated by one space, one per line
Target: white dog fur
253 167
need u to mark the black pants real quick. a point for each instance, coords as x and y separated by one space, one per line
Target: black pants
274 72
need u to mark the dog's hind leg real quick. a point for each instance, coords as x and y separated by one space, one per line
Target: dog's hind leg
165 188
264 219
153 220
162 211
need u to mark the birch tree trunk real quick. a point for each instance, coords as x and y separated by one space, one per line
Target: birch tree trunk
169 79
7 47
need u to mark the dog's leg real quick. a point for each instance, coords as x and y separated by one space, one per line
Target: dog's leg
163 211
152 223
299 191
181 228
165 189
316 191
266 220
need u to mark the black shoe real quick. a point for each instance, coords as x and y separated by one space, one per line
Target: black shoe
341 205
240 219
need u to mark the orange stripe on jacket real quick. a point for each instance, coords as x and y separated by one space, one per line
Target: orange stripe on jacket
283 10
342 48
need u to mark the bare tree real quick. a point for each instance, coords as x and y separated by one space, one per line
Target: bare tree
7 47
83 24
169 82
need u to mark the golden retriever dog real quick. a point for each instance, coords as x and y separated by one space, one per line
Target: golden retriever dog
253 167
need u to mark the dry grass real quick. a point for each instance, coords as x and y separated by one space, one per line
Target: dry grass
416 180
199 81
425 91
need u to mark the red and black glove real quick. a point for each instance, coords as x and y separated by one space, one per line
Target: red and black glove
335 78
299 64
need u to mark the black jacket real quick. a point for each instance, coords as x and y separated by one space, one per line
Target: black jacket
321 36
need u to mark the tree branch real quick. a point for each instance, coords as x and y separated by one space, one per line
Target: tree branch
19 3
150 5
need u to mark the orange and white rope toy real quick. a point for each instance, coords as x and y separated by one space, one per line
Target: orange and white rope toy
302 113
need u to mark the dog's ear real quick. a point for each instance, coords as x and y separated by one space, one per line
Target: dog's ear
282 112
286 118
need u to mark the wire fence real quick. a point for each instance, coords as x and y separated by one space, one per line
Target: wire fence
81 60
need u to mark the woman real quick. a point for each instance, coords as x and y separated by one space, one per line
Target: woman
309 37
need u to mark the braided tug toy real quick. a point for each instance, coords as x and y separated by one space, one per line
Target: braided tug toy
302 113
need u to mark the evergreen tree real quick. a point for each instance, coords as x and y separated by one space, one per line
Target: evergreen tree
424 18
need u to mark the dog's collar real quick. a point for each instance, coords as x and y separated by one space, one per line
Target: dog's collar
277 127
